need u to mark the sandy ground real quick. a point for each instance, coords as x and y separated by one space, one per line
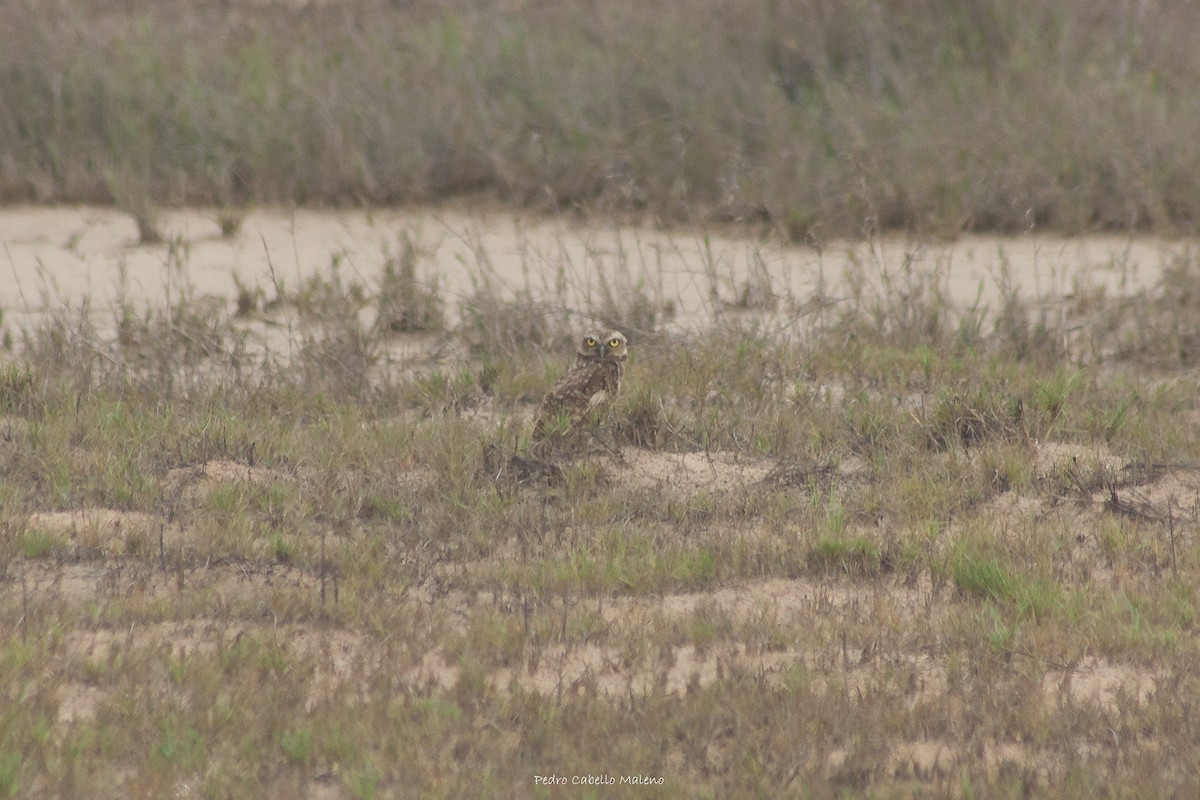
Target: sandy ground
63 255
54 256
682 476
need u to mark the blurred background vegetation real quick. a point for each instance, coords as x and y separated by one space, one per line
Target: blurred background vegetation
814 118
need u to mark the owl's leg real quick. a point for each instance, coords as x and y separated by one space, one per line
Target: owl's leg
552 432
600 435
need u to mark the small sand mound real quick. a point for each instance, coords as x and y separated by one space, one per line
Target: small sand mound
60 581
688 474
1049 455
1104 683
195 479
94 524
1173 493
1056 458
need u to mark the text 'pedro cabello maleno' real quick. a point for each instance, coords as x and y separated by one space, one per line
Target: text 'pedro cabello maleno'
596 780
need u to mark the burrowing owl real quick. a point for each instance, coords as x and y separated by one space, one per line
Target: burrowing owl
595 379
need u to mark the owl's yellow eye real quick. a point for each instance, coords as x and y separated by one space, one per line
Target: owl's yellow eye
614 342
590 342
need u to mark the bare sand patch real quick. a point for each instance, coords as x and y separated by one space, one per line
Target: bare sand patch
566 670
225 583
931 760
93 523
1172 493
926 759
1099 681
686 474
198 478
681 667
96 531
58 581
77 702
1053 458
782 598
64 254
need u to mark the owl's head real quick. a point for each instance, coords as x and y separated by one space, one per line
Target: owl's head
599 346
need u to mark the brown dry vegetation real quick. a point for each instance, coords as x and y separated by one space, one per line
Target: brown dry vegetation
815 118
872 546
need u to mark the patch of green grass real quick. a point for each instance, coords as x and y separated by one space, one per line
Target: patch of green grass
693 568
180 747
297 745
389 509
226 499
10 774
705 625
16 388
965 421
851 554
125 484
41 544
283 549
623 561
1182 605
439 390
1003 634
364 782
991 578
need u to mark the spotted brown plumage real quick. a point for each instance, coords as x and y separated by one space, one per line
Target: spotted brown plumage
594 379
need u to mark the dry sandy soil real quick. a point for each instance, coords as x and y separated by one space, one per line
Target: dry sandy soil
823 603
65 254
